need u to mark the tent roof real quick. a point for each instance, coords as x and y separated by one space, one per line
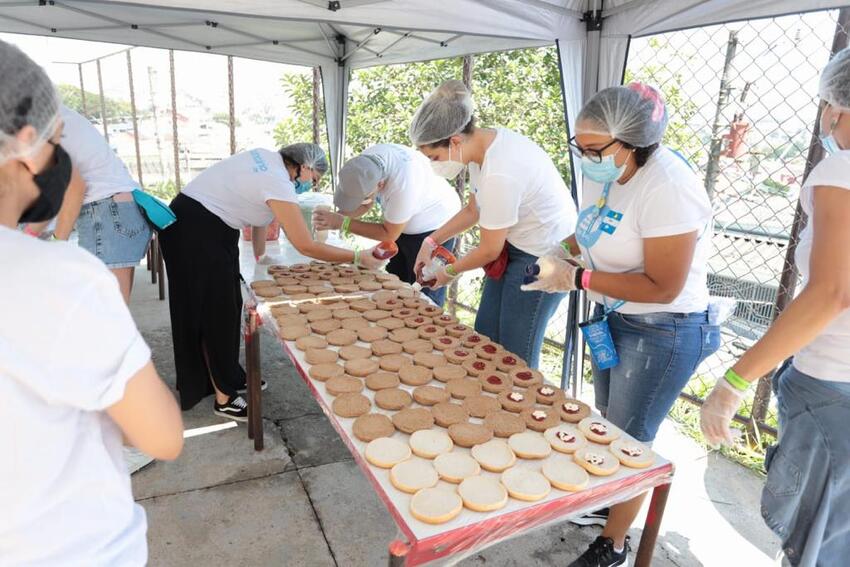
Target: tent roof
312 32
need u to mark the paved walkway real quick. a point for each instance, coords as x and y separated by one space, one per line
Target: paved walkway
303 501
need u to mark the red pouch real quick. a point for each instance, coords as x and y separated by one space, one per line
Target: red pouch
496 268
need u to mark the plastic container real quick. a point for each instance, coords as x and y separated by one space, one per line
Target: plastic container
320 235
385 250
440 258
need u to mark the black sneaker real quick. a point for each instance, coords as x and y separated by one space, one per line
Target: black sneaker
235 408
597 518
601 554
244 389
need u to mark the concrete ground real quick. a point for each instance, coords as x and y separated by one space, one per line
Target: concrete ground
303 501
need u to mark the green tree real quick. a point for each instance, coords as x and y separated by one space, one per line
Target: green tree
224 118
116 110
680 133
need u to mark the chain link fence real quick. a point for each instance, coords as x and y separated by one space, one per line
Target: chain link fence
743 106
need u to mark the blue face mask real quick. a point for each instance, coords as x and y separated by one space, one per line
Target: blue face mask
303 186
605 171
829 144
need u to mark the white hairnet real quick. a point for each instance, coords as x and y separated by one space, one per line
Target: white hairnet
27 98
444 113
634 114
834 85
310 155
357 179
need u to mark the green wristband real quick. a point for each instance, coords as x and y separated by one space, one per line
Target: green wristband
357 257
566 246
450 270
736 381
346 225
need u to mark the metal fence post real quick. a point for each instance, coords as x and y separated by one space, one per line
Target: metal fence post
82 91
177 182
712 168
135 117
102 102
231 104
317 81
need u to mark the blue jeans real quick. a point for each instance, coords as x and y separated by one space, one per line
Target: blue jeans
806 498
514 318
659 352
117 232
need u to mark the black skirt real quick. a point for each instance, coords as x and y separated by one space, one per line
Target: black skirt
201 256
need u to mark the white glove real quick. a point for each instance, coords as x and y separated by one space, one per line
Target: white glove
326 220
559 251
717 412
367 260
423 257
555 275
266 260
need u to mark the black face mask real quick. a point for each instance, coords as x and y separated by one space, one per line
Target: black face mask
52 184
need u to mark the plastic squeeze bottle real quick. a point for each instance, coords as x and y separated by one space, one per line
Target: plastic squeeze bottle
440 258
385 250
321 235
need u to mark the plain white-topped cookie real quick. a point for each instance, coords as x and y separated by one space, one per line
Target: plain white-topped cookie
495 455
482 494
530 445
413 475
565 474
386 452
525 484
435 505
430 443
455 467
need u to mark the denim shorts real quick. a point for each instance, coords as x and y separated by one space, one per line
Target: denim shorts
806 498
116 232
659 353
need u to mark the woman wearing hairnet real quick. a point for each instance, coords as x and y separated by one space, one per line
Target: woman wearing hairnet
644 233
414 201
201 253
519 202
807 494
75 374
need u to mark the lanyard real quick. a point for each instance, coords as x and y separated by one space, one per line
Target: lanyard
587 224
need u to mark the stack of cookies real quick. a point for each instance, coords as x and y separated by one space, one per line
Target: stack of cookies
436 403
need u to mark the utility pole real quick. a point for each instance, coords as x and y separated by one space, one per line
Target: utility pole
151 76
712 169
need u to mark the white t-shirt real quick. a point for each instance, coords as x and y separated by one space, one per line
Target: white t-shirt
663 198
828 356
414 195
236 189
103 171
68 347
519 188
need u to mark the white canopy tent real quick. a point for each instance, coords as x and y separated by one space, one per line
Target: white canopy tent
337 36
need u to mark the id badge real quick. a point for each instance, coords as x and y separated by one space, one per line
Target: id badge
598 336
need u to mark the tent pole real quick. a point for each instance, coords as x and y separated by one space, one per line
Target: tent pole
102 102
82 90
135 117
231 105
174 120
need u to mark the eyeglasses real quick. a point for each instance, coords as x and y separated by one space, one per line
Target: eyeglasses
592 154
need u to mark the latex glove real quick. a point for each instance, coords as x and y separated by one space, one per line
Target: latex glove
368 260
423 257
555 275
717 412
326 220
443 278
267 260
559 251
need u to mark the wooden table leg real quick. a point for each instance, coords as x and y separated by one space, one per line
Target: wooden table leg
398 553
160 270
154 251
652 525
253 379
